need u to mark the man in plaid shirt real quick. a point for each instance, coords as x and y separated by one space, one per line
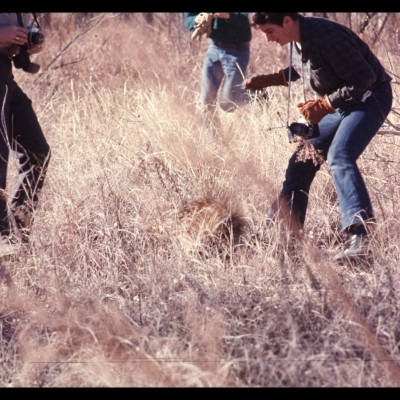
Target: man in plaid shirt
354 99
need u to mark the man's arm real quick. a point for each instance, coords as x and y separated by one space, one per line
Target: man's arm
350 66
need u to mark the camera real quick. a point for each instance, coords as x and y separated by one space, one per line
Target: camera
302 130
22 60
34 35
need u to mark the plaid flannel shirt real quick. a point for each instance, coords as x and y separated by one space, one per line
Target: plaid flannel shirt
342 65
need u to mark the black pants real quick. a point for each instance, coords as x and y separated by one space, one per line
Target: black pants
20 134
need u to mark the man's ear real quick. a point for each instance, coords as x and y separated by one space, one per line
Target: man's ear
287 21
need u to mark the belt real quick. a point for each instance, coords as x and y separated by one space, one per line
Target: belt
231 45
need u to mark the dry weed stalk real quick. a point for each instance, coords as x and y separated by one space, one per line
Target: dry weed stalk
346 303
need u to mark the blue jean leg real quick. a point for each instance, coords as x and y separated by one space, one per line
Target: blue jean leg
343 138
212 75
359 125
233 94
211 79
221 65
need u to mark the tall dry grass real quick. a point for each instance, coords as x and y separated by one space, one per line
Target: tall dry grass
114 293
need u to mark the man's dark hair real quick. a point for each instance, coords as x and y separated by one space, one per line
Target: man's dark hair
274 18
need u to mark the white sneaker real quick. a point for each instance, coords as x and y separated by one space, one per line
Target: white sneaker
8 247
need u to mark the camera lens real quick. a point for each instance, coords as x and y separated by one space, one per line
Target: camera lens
297 128
34 35
35 38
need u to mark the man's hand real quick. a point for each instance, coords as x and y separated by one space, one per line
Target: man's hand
200 19
13 35
314 110
202 25
262 81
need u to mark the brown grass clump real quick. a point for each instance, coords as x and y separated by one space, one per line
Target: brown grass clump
214 221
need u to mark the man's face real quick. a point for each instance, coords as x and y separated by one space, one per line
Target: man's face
276 33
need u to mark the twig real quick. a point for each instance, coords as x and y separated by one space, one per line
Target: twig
385 131
366 22
394 111
386 49
76 38
380 160
80 59
240 70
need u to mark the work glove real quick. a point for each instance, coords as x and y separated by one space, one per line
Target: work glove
314 110
262 81
202 25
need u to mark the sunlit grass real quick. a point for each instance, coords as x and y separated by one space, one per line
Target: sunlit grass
115 293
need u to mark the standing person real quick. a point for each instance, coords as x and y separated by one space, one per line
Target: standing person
354 99
225 62
20 131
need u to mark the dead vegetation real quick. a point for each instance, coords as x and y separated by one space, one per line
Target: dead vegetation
114 291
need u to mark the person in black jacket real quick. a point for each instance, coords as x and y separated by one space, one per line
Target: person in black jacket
354 97
20 134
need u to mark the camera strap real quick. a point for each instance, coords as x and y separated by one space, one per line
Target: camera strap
36 20
19 16
289 83
21 23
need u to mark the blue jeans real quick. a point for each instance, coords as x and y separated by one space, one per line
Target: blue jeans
220 66
344 135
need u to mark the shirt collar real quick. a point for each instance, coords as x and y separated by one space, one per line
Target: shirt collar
306 38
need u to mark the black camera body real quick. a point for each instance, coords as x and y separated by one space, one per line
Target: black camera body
302 130
34 35
22 59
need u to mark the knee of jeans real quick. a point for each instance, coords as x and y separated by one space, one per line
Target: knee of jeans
329 160
337 158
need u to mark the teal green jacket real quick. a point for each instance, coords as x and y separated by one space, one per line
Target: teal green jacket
236 29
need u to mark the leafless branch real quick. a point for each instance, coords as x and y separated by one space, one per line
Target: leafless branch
88 56
366 22
99 21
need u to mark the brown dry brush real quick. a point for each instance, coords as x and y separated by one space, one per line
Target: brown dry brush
217 223
112 300
57 342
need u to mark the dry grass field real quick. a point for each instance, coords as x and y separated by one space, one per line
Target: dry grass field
116 291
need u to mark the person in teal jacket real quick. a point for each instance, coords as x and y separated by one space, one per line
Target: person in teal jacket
224 65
